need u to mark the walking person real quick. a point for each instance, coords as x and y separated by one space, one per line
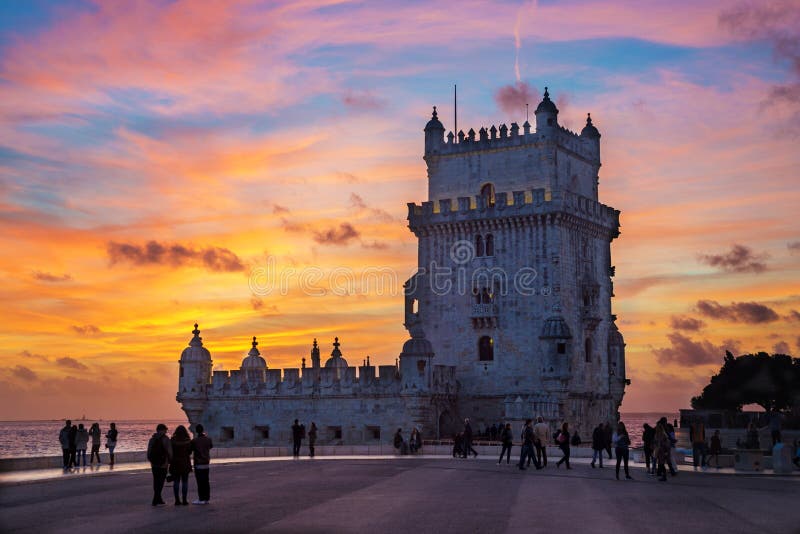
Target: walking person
201 452
563 443
541 432
94 434
716 449
111 442
697 435
297 438
598 444
622 443
400 443
527 447
412 441
63 439
648 434
181 464
608 432
312 439
673 440
468 439
81 442
506 438
159 454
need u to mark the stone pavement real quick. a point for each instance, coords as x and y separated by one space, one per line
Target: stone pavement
408 495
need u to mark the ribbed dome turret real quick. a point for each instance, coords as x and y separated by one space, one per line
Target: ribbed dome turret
555 327
546 105
589 130
434 123
253 360
418 345
195 352
336 360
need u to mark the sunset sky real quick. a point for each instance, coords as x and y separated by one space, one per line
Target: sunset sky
156 156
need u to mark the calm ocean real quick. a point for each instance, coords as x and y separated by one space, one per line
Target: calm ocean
40 438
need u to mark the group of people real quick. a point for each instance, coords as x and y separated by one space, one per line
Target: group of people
412 446
171 460
74 440
299 434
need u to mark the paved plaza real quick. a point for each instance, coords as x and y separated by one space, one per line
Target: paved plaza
408 495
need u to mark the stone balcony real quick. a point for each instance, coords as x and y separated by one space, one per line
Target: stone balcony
484 316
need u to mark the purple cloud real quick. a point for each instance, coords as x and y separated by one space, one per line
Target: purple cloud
214 259
740 259
511 99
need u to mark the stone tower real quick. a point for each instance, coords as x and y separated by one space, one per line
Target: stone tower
514 279
194 376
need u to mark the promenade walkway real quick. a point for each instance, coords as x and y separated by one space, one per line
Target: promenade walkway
409 494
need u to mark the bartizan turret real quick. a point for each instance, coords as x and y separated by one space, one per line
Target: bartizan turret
194 377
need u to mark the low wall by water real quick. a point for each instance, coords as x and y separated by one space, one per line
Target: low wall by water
49 462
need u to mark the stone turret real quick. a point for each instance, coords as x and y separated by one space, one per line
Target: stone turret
336 361
546 115
254 367
416 360
592 135
194 378
434 134
315 361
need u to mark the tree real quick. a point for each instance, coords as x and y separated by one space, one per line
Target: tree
772 382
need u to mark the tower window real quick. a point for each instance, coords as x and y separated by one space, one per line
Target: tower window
181 372
561 348
489 245
587 346
415 306
486 349
487 192
479 246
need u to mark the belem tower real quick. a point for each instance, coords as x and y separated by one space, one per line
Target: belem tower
509 312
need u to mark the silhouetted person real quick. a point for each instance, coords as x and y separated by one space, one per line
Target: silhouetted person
622 442
111 442
399 442
73 434
716 448
608 432
94 434
648 435
181 464
63 439
312 439
662 448
527 447
697 435
81 442
468 439
297 438
598 444
159 454
507 440
201 451
563 444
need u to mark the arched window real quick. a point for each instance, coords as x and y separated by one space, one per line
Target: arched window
587 347
476 292
478 246
489 245
486 296
414 306
487 192
486 349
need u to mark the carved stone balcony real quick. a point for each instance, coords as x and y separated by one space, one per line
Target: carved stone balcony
484 316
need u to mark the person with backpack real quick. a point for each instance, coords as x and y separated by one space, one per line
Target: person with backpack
562 438
81 442
201 451
598 445
622 443
159 454
507 440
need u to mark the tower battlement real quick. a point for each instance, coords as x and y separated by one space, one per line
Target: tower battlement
511 205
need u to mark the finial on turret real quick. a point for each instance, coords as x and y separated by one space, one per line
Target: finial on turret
195 331
546 92
434 115
367 360
336 342
315 343
304 363
255 343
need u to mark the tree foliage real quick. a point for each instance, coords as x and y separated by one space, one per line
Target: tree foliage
772 382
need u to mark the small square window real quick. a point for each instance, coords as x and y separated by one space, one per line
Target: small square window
561 348
226 434
262 432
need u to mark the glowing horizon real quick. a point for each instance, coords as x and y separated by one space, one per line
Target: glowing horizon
154 153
